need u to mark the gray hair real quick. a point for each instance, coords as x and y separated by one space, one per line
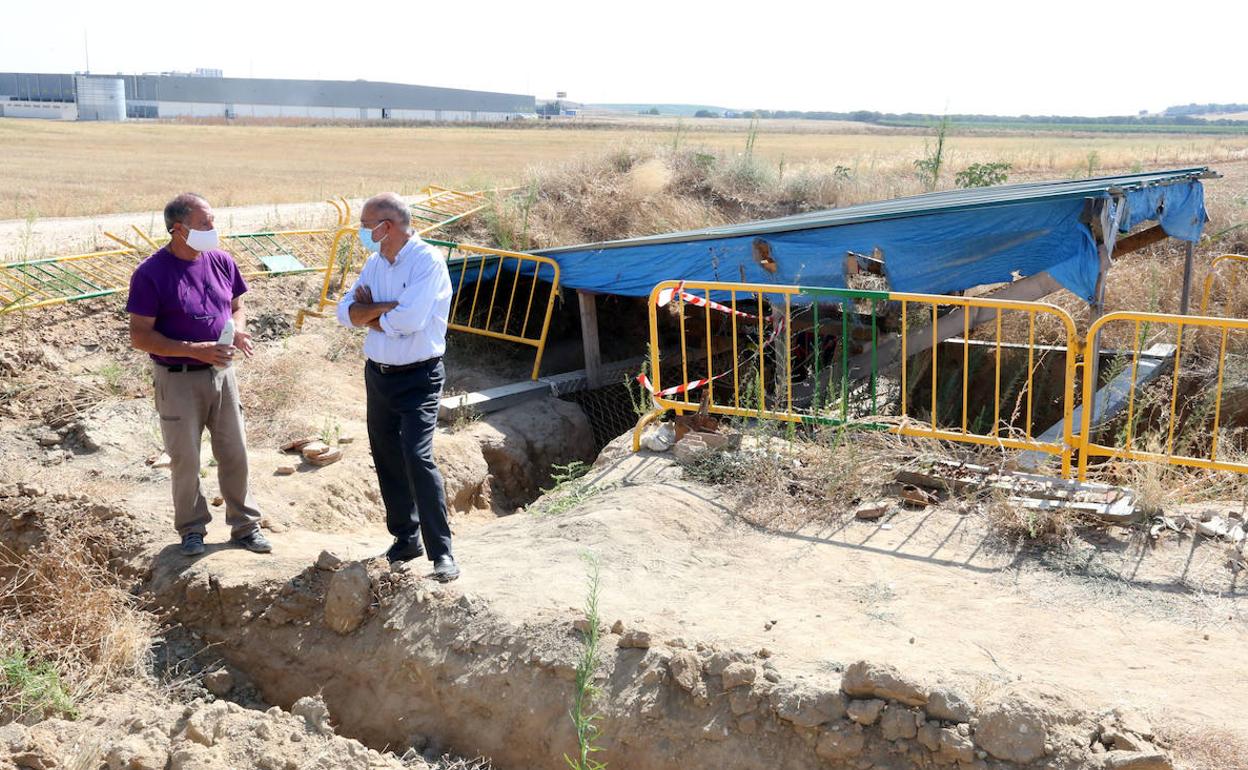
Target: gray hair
178 209
392 206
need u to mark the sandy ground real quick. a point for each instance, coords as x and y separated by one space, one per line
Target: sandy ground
1120 621
924 589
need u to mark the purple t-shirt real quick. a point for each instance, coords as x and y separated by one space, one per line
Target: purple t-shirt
189 300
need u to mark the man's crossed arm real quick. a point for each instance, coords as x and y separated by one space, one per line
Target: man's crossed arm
365 312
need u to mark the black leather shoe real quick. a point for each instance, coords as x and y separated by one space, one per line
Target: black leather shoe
445 569
405 550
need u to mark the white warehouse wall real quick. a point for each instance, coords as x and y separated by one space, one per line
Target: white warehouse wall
46 110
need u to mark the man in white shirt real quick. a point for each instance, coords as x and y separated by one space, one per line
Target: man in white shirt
403 296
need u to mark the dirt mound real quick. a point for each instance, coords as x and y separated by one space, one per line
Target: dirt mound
29 515
146 731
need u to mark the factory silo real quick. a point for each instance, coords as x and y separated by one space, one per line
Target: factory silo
100 98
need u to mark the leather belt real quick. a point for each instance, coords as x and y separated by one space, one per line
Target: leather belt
186 367
400 368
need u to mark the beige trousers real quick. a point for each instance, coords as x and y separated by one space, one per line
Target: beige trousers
188 402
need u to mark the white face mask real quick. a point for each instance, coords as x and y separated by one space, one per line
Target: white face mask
202 240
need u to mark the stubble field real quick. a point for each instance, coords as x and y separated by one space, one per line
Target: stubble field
53 169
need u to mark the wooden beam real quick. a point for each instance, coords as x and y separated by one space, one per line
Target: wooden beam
1186 298
504 396
589 337
1140 240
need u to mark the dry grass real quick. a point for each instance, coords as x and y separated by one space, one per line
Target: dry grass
81 169
279 397
1016 524
60 607
786 481
1203 747
644 189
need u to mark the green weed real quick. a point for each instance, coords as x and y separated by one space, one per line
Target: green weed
584 719
331 431
29 687
569 491
929 166
115 375
983 174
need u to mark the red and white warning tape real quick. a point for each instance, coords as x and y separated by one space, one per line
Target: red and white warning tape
678 291
678 389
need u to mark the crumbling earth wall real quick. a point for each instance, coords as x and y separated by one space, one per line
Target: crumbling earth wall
402 661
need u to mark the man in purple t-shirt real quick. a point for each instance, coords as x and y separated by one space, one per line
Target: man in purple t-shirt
180 300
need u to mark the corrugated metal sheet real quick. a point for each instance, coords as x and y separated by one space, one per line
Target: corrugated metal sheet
913 206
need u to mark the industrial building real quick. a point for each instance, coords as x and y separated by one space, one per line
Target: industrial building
205 94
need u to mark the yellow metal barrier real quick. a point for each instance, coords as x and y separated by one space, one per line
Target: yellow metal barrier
442 206
343 211
843 357
1238 260
259 254
36 283
49 281
256 253
1189 426
503 295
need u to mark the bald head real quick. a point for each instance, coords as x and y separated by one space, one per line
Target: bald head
389 206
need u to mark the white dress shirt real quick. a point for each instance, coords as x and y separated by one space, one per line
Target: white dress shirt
418 280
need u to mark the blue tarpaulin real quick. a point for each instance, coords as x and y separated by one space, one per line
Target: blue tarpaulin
935 243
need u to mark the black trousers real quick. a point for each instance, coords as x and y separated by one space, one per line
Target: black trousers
402 414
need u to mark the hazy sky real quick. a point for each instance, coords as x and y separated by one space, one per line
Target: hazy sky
1051 57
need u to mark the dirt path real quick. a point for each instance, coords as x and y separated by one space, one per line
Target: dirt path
22 239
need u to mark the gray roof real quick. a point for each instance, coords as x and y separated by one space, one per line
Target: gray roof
293 93
911 206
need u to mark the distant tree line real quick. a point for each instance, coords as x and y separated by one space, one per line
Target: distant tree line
870 116
1204 109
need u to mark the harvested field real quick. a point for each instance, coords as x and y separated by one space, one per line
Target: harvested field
81 169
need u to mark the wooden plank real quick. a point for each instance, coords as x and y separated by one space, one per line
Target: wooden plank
1112 504
589 337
